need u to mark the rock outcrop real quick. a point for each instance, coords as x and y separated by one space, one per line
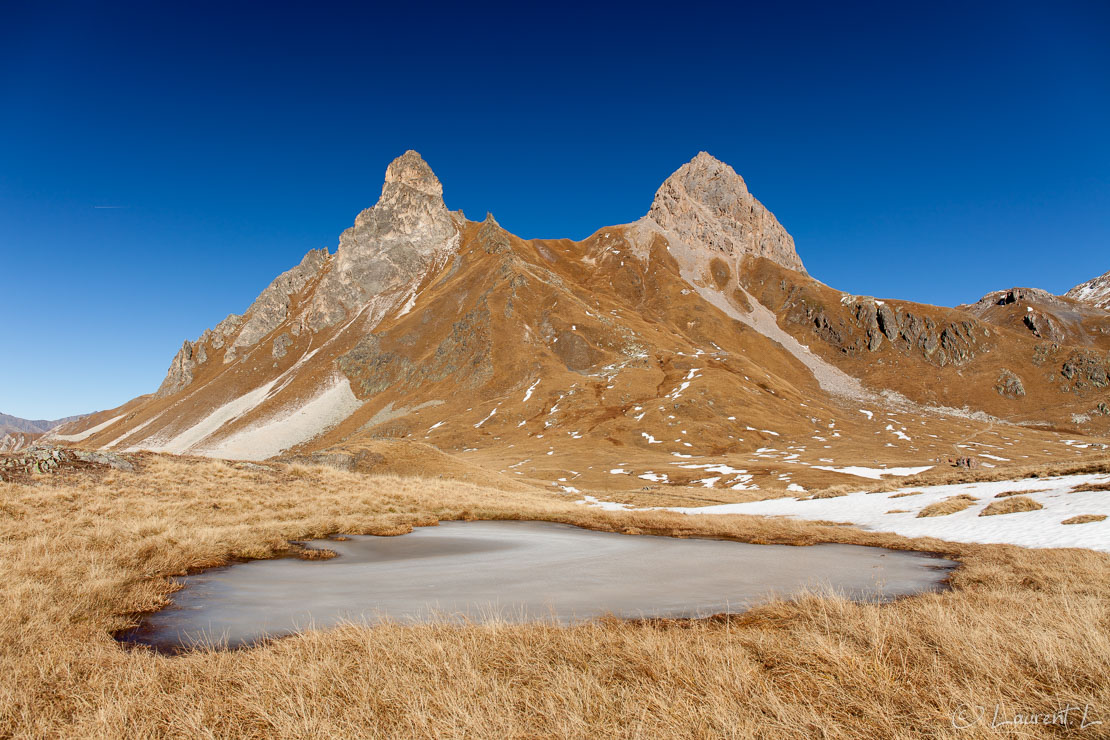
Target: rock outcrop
49 459
705 203
1009 385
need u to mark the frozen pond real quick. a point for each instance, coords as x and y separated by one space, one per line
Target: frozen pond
517 571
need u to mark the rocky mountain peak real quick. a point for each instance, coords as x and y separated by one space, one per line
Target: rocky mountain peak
410 170
392 244
706 203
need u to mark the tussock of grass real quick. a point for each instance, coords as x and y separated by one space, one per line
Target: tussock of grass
948 506
1007 494
898 511
1085 519
81 554
907 493
1093 487
833 492
1010 505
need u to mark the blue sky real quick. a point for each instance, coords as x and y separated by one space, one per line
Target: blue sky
931 152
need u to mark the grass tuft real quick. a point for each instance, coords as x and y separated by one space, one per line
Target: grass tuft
948 506
1085 519
1011 505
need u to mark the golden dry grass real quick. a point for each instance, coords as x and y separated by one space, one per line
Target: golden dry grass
1012 505
950 505
1094 487
1026 629
1085 519
1007 494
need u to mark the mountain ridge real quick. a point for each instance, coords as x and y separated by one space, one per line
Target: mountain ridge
1095 292
695 328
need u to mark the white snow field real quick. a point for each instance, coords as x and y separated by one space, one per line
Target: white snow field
1041 528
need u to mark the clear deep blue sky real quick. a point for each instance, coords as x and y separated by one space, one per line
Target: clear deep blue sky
926 151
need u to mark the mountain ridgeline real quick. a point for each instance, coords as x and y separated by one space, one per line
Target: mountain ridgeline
698 320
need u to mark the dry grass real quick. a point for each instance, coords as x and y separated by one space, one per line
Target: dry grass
950 505
1012 505
907 493
1093 487
1026 629
1007 494
1085 519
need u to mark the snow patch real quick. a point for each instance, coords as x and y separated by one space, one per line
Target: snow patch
872 473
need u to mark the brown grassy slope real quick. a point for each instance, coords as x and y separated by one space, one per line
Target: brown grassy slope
1024 628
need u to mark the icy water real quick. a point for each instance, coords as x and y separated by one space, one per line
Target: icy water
517 571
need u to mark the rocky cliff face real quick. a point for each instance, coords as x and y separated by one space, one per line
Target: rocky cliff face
380 259
1094 292
705 203
391 246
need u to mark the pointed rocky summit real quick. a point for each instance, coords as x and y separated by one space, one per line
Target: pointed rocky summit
394 243
706 203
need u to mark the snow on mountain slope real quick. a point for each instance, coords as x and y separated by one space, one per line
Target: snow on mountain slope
1094 292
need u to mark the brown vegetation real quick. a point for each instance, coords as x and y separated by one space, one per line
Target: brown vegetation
1085 519
1094 487
1025 629
948 506
1012 505
1007 494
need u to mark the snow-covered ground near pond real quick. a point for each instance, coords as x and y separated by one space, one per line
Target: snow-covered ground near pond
894 512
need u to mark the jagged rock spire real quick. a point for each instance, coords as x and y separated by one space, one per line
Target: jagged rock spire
410 170
391 244
707 204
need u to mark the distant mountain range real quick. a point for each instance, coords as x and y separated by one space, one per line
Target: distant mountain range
690 347
34 426
17 433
